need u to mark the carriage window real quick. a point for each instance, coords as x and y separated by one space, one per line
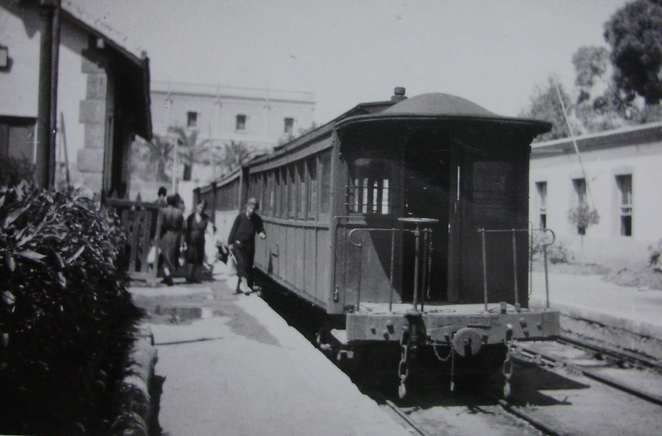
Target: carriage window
369 187
270 183
303 193
284 194
264 192
292 185
312 189
325 184
278 192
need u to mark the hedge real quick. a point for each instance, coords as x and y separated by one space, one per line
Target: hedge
65 314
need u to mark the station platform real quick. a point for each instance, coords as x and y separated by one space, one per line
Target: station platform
624 317
232 366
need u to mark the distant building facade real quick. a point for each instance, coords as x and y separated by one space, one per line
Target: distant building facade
100 85
621 179
259 118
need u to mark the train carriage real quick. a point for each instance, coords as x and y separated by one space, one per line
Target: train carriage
406 223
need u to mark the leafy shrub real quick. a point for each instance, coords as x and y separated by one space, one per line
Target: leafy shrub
65 312
655 253
558 252
583 217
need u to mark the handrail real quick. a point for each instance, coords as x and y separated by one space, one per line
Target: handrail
416 232
483 231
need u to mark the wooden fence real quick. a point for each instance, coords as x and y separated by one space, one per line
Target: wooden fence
141 226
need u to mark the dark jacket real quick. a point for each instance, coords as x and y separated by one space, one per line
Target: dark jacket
244 230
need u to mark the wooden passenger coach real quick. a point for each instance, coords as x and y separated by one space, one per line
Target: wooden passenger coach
409 217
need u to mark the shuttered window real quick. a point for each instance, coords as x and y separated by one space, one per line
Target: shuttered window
325 181
312 188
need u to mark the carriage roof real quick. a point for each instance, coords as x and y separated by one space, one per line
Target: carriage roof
424 107
439 106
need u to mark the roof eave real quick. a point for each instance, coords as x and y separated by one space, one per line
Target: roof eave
535 125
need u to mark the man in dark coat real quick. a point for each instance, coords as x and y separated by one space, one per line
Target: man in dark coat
242 243
172 227
197 224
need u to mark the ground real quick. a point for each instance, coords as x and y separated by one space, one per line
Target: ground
642 276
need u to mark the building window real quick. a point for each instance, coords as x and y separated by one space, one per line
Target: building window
17 137
289 126
542 203
625 204
580 190
191 119
241 122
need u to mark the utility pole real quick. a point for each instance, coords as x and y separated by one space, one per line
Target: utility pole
169 101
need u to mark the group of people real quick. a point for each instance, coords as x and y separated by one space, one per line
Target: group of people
193 229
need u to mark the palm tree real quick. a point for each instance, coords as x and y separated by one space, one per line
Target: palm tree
235 154
189 151
158 156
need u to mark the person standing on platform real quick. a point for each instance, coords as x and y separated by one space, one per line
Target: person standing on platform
172 227
197 224
242 243
162 199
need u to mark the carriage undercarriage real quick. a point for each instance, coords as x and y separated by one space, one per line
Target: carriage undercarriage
465 339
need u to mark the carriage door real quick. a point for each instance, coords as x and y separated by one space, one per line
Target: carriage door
427 187
493 195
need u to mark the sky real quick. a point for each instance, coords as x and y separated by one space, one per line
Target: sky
492 52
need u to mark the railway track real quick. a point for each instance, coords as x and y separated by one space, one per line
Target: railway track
559 388
568 357
625 371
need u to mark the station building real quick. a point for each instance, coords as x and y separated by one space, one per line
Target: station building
619 174
258 118
62 71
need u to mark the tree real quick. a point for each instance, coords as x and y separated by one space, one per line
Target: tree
189 151
234 155
634 33
159 155
545 105
151 159
609 110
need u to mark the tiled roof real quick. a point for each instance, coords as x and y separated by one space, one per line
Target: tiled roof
80 11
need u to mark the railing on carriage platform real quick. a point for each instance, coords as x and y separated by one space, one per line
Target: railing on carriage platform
419 296
423 253
544 245
140 223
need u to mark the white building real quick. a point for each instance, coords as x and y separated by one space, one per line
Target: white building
621 178
59 66
255 117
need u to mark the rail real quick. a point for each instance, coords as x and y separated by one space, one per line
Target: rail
483 232
418 231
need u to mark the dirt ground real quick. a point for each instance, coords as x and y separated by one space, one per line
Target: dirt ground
642 277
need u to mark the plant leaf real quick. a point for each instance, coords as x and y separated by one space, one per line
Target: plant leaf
14 215
76 254
32 255
11 264
62 279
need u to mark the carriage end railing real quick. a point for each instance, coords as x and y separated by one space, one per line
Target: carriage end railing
483 233
417 232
